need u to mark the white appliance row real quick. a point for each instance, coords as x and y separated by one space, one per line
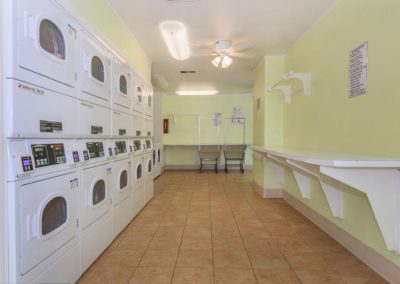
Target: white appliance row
69 199
63 81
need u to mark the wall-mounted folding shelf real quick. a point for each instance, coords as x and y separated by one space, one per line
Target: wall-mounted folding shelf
377 177
304 78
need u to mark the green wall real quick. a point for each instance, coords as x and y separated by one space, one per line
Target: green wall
330 121
183 113
104 20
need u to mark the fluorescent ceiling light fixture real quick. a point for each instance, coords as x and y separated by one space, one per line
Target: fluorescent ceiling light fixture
197 93
174 34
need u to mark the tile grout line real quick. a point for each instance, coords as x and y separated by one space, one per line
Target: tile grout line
273 240
241 237
180 244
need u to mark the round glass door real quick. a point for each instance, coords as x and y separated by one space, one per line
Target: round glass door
99 192
123 85
139 171
51 39
123 180
54 215
97 69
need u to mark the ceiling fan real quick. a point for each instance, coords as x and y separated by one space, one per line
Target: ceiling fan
224 52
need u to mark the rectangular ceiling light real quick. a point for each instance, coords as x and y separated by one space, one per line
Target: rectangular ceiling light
174 34
197 93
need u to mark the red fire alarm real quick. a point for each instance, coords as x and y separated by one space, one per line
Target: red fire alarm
165 125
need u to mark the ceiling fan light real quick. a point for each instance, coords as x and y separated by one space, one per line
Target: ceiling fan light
174 34
226 61
216 61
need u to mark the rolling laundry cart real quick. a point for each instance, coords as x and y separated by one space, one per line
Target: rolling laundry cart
209 154
234 153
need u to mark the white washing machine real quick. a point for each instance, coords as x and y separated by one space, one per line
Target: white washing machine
43 188
41 42
95 199
122 205
33 111
157 160
138 94
94 71
138 174
148 180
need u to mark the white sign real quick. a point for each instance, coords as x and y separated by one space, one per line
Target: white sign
358 67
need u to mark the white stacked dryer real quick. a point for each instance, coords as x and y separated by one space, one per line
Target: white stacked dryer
148 180
96 199
122 90
138 175
94 87
122 205
43 188
40 70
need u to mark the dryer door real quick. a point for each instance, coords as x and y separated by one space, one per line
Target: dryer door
122 181
149 166
139 171
97 199
46 42
47 217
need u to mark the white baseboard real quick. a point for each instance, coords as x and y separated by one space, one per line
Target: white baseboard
370 257
268 192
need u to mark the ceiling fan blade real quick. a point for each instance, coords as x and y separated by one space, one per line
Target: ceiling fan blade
204 54
242 55
241 46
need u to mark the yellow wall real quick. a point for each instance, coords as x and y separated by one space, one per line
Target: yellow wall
330 121
183 127
103 20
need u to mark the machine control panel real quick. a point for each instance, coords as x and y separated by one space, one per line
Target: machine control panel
96 149
86 155
75 156
148 144
48 154
137 146
121 147
27 165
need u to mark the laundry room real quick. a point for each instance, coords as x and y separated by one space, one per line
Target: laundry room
199 141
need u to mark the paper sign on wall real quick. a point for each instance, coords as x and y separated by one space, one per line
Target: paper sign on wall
358 67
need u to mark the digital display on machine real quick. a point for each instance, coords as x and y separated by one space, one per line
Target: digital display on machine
130 148
137 145
86 155
148 144
75 156
48 154
121 146
110 152
96 149
27 165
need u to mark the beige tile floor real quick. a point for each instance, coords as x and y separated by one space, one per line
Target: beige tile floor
213 228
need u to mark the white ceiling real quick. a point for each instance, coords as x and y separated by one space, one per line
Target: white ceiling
271 26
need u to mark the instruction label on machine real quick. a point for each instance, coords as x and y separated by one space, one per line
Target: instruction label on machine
358 67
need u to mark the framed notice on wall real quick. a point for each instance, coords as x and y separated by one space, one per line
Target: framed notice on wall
358 67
